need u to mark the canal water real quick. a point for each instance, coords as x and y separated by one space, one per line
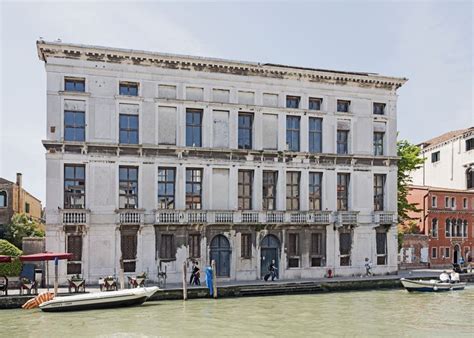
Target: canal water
392 313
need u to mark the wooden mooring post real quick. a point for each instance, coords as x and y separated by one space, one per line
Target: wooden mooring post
214 279
185 286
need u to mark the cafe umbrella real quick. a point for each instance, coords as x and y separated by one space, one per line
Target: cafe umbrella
48 256
5 259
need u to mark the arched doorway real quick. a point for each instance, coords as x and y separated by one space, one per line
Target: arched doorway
220 252
456 253
269 250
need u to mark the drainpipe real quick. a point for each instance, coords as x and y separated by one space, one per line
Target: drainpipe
19 185
425 214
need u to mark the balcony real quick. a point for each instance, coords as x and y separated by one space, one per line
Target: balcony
130 216
74 216
347 217
384 217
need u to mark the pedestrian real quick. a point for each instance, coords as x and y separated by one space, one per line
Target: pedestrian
195 275
273 270
368 267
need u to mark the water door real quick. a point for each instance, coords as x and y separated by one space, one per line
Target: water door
220 252
269 250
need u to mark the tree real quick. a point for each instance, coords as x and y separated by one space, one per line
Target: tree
21 225
13 268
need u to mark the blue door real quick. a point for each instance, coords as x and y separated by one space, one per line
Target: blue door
220 253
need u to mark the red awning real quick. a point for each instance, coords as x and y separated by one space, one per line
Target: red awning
45 256
5 259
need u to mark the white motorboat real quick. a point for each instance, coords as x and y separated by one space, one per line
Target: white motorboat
99 300
431 285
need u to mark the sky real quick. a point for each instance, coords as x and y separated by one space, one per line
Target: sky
428 42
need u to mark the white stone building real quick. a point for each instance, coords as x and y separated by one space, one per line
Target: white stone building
158 159
449 161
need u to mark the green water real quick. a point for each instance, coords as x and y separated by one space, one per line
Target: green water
371 313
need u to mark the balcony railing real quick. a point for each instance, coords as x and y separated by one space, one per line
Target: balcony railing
77 216
384 217
130 217
347 217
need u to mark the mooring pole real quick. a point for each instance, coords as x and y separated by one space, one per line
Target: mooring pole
185 289
214 280
56 281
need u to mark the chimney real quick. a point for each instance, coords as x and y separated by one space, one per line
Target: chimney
18 179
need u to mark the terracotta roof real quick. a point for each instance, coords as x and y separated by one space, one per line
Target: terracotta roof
439 189
444 137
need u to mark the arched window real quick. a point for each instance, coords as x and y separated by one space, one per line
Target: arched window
434 227
448 227
464 229
470 178
459 228
3 199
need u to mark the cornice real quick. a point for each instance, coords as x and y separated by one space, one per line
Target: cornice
48 50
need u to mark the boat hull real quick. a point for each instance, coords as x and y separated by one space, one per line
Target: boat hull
99 300
430 286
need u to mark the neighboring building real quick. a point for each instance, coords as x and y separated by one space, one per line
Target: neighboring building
158 159
414 253
449 161
14 199
447 217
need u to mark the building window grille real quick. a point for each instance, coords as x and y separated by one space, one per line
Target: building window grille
345 243
128 129
315 134
342 142
246 245
128 88
379 108
245 131
315 103
293 133
74 126
166 188
128 187
74 85
269 190
194 246
193 188
379 192
193 127
293 251
343 106
245 181
167 247
292 102
435 156
343 192
292 190
378 143
74 186
315 191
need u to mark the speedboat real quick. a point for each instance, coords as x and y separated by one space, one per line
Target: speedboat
99 300
431 285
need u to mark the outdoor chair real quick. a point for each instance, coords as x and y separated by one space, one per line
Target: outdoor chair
4 285
77 284
108 284
161 276
27 279
137 281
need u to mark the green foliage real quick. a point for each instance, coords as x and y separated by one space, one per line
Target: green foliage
409 160
13 268
22 226
411 228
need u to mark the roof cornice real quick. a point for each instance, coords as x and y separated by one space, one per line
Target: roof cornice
47 50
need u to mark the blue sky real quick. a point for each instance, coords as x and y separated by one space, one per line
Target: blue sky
429 42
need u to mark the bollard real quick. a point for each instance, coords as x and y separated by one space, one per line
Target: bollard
214 284
185 288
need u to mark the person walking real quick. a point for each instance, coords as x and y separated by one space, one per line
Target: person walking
195 278
368 267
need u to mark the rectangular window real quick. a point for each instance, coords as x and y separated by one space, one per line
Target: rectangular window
27 208
453 202
379 192
74 85
74 186
293 251
269 190
434 252
246 245
315 191
193 188
446 202
167 249
381 241
342 141
345 244
470 144
448 228
166 91
317 250
464 203
292 102
435 157
193 127
292 190
74 126
447 252
194 245
128 245
379 108
315 135
315 103
166 188
245 131
74 246
245 181
343 192
128 88
128 187
434 228
293 133
378 143
434 202
128 129
343 106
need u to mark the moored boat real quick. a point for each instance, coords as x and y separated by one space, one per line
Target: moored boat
99 300
431 285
